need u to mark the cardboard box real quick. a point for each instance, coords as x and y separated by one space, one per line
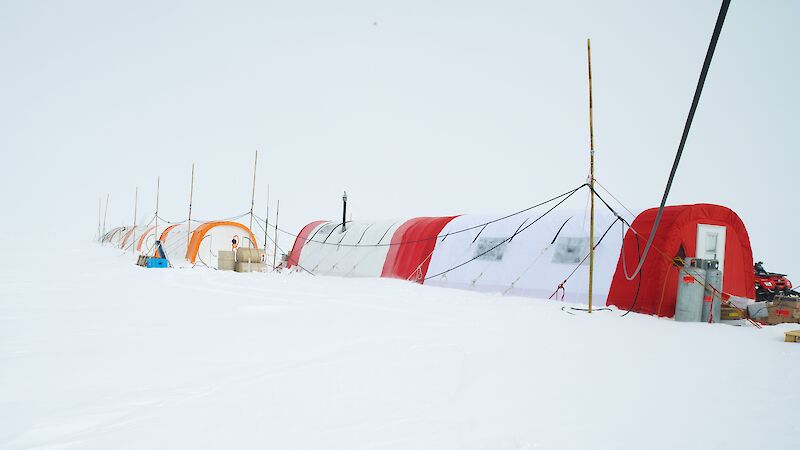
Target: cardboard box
783 310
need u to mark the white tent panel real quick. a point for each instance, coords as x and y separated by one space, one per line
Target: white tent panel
359 251
534 262
149 240
219 238
114 236
130 237
175 243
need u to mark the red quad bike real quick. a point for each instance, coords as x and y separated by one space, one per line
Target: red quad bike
768 284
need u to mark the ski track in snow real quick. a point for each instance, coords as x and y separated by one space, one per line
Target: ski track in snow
97 353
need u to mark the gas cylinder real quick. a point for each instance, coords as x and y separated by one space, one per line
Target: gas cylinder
712 303
689 304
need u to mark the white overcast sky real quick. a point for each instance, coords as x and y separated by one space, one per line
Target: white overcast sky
414 107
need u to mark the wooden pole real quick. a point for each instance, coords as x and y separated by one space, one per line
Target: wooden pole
135 212
253 196
266 227
591 176
158 189
191 193
105 216
275 241
99 217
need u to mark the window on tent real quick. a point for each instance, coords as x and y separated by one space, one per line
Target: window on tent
570 250
490 249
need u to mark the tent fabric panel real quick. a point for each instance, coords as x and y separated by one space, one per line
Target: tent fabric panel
174 242
647 287
125 238
165 233
534 262
143 238
412 246
357 251
300 242
127 242
113 235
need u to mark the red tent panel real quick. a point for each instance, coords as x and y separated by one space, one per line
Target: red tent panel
412 247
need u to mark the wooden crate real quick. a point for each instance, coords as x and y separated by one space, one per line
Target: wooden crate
793 336
731 313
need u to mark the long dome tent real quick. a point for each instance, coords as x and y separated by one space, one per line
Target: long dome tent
391 249
474 252
211 237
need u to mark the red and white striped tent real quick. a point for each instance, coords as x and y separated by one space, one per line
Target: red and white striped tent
521 255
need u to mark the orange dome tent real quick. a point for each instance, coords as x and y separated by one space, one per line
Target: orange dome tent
211 237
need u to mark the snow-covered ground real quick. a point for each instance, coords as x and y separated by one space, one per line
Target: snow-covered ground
97 353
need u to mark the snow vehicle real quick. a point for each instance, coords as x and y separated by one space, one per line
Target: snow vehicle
769 283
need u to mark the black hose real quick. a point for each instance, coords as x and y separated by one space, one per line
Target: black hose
706 64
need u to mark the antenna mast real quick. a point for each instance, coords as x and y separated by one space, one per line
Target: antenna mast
266 227
99 217
253 196
105 215
275 242
591 175
191 193
135 212
158 189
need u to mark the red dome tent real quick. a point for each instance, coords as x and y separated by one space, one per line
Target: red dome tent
702 230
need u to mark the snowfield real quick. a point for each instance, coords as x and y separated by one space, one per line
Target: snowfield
96 353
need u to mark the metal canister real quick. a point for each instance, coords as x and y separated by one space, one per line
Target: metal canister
712 303
689 303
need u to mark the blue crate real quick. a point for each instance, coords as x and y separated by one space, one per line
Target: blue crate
156 263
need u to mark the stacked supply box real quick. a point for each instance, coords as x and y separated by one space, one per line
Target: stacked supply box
226 260
249 260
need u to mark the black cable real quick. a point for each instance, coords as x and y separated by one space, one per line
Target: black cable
622 254
706 64
561 286
506 239
559 230
563 308
638 255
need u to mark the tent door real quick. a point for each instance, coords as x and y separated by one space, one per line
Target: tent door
711 243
